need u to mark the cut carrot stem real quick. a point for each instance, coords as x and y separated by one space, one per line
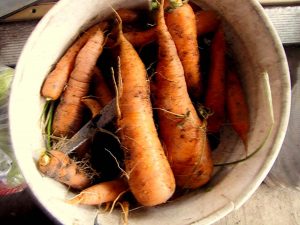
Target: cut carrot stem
49 125
58 165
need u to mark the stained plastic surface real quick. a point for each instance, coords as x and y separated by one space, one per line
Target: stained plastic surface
11 179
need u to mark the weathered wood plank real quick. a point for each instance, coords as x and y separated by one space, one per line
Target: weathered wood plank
12 39
268 206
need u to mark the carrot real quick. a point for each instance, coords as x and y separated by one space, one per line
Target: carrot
150 177
100 88
100 193
93 105
137 38
69 113
236 105
141 38
215 94
128 15
181 131
207 21
58 165
55 82
181 23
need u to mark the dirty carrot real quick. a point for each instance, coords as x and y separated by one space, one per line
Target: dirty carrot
69 112
181 23
141 38
215 94
128 15
150 177
93 105
100 88
58 165
236 105
100 193
182 132
207 21
56 81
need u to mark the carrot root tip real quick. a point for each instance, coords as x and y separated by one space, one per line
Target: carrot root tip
75 200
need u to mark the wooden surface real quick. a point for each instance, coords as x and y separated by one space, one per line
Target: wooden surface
270 205
12 39
280 2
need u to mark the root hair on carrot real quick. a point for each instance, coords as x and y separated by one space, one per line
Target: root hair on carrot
85 165
107 206
110 133
116 200
118 86
60 142
117 15
203 111
70 200
151 76
150 65
118 164
164 77
136 208
125 211
172 113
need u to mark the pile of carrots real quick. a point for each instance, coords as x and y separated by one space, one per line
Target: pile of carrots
168 103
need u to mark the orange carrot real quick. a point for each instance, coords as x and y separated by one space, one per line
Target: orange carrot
100 88
181 23
180 128
236 105
215 94
150 177
207 21
100 193
56 81
128 15
93 105
141 38
59 166
69 113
